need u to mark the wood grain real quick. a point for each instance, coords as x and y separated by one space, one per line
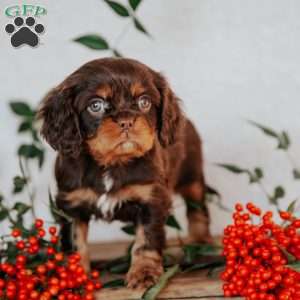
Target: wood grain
184 286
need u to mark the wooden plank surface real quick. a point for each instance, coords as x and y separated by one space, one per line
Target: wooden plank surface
184 286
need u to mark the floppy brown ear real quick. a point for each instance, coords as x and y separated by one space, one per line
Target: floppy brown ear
60 125
170 119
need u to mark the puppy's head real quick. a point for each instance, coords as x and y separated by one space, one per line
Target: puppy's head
115 109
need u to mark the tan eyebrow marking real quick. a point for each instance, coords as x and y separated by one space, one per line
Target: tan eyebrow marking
104 91
137 89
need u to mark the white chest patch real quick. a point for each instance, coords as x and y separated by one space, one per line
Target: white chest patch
107 203
108 182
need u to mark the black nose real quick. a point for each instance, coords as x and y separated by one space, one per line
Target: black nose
126 123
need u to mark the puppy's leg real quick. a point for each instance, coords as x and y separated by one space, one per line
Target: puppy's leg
74 238
146 263
197 211
80 242
74 234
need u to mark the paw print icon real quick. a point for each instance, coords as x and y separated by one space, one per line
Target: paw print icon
24 32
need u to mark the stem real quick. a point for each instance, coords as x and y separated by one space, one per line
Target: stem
121 35
290 159
31 193
264 190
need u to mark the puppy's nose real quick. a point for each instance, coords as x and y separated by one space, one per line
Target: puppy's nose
126 123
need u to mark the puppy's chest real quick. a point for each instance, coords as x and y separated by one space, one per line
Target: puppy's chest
108 200
115 195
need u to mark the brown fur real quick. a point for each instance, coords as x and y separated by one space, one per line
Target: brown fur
108 144
136 157
104 91
146 265
137 89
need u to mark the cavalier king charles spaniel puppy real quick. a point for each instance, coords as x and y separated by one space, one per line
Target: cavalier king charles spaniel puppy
124 147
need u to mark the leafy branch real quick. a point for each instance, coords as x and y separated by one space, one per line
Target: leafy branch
34 150
98 42
283 143
256 174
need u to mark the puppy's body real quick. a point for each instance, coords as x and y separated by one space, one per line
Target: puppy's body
124 148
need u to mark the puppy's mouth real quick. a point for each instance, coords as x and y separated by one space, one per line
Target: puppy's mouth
128 143
111 144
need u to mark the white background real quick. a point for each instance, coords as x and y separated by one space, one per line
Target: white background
228 60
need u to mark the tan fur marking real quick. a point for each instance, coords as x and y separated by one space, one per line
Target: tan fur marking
81 195
108 202
104 91
137 89
107 144
198 225
146 265
81 233
193 191
140 191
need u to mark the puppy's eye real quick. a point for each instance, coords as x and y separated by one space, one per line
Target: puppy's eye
144 103
97 106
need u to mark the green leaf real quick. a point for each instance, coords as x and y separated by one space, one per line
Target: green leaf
138 25
153 291
19 183
212 195
266 130
192 251
31 151
3 214
279 192
296 173
41 159
284 141
205 265
134 3
93 41
129 229
172 222
232 168
25 126
35 135
120 268
11 252
117 53
114 283
118 8
57 213
21 109
295 266
259 173
192 205
212 191
292 206
21 208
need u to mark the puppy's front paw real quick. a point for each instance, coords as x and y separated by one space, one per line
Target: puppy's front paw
144 273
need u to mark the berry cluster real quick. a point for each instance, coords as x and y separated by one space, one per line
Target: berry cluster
257 256
35 268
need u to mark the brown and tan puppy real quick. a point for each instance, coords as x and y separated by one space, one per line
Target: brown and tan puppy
124 147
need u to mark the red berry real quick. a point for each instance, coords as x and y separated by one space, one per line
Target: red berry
52 230
16 233
38 223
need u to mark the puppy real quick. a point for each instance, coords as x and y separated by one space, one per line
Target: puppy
124 147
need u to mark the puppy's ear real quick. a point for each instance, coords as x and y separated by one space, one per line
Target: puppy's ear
60 125
170 118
